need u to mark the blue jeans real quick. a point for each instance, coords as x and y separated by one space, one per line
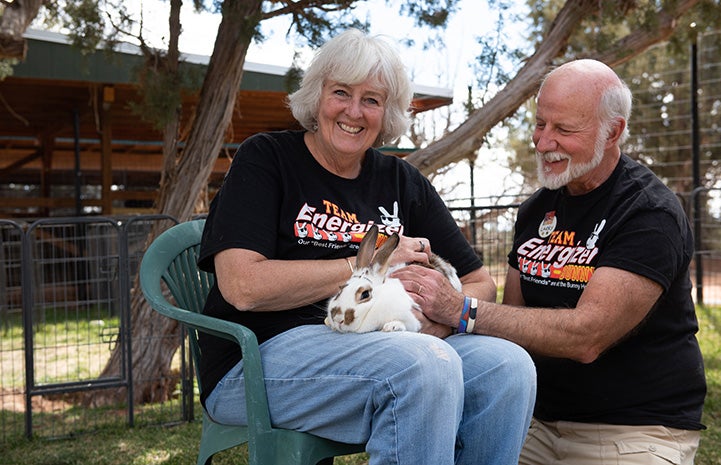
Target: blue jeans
412 398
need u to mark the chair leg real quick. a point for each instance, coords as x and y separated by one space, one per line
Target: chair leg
327 461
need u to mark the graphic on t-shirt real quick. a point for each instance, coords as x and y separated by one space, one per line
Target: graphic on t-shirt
591 241
309 231
331 226
390 220
559 259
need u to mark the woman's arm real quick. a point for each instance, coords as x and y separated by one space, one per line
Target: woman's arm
249 281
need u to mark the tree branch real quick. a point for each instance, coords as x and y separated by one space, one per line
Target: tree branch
469 136
300 6
641 40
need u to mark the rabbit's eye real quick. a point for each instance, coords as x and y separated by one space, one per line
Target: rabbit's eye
363 294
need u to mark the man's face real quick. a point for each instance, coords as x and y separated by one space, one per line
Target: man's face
570 140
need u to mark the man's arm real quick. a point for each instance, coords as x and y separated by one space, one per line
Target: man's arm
614 303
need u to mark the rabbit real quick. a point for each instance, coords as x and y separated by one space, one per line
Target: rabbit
371 300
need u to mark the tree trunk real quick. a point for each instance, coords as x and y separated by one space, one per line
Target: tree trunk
215 108
154 337
14 21
469 136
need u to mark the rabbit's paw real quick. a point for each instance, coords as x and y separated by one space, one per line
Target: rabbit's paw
394 325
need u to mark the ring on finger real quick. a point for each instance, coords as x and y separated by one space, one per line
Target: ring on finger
423 246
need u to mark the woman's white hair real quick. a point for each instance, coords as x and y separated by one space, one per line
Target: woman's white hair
351 58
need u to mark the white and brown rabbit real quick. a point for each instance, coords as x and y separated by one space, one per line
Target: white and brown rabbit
371 300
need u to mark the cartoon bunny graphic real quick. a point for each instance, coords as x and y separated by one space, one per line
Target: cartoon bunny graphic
591 241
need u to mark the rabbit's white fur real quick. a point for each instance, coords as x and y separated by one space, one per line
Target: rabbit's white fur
371 300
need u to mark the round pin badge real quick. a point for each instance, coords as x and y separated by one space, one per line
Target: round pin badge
548 225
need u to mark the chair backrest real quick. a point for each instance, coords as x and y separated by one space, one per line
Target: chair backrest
173 256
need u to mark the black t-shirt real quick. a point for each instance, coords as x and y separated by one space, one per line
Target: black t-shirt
655 374
279 201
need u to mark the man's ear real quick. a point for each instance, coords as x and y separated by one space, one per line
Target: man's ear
616 131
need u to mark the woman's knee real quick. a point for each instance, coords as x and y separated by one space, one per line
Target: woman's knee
497 359
434 365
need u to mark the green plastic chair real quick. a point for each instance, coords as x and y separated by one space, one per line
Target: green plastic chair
172 258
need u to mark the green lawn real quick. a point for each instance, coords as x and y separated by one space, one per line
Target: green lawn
710 339
178 444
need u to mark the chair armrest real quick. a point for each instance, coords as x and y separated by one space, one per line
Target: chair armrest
154 266
256 396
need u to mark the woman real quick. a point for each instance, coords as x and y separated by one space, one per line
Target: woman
280 237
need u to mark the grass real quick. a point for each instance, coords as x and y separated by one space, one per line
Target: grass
155 445
151 445
66 349
709 452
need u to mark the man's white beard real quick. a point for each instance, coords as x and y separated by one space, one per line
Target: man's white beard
552 181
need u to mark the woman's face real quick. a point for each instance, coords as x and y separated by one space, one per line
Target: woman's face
350 117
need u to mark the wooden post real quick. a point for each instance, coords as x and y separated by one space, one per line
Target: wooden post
106 160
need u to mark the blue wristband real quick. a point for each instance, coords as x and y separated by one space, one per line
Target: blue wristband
463 322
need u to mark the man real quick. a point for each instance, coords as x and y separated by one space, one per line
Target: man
598 289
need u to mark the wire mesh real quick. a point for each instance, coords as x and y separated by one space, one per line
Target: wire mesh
12 345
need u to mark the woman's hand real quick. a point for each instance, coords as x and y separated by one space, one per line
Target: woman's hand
411 250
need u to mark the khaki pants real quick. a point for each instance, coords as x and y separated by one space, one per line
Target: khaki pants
570 443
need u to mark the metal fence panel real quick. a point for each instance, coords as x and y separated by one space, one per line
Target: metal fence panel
488 226
73 320
705 207
12 345
64 308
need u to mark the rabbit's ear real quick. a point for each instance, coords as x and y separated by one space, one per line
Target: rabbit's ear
384 253
366 249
